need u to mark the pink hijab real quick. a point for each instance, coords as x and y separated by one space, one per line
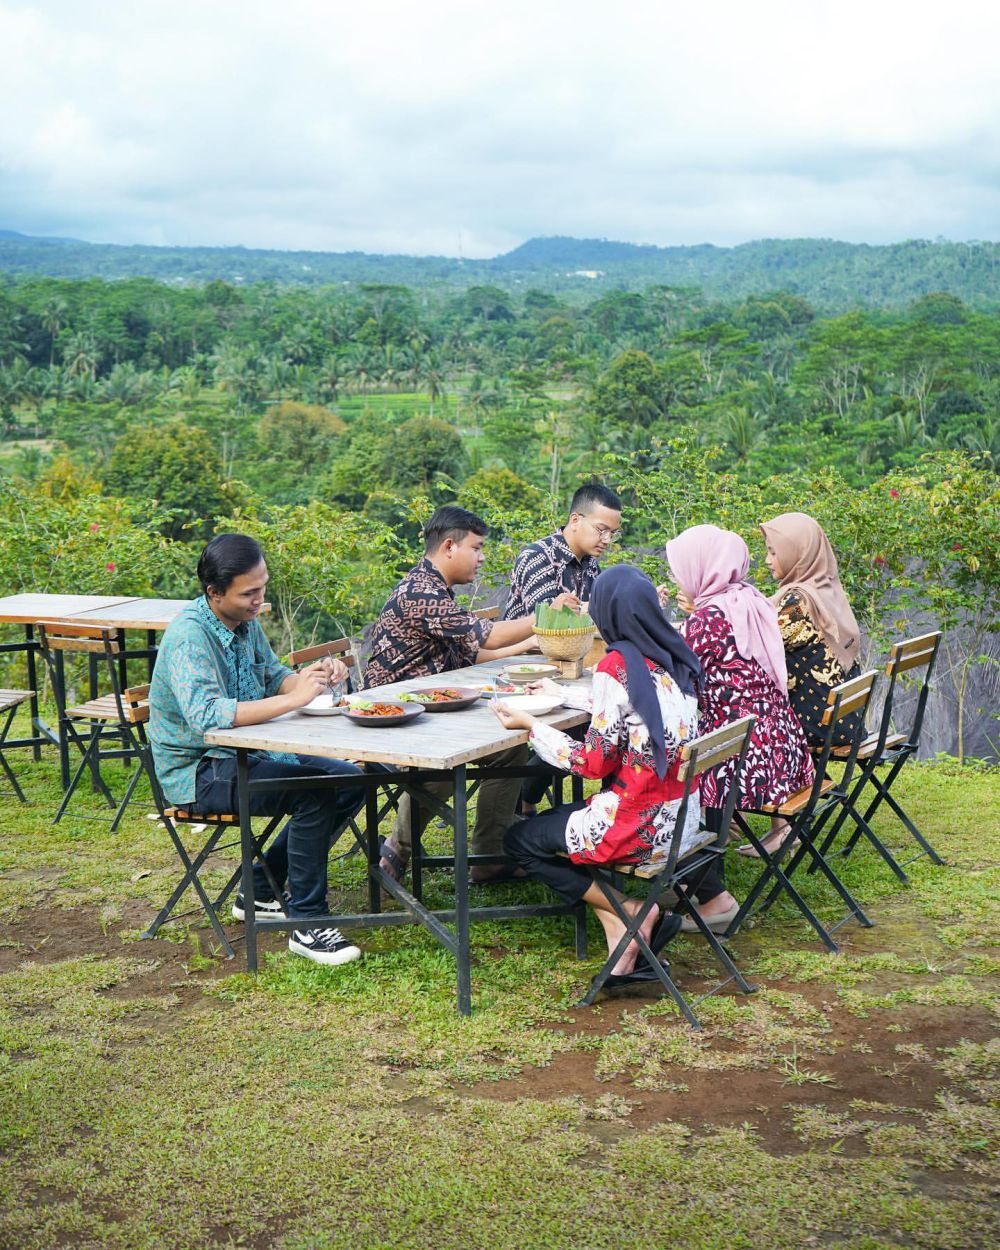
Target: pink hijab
710 565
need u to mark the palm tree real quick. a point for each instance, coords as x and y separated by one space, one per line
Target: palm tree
81 356
54 314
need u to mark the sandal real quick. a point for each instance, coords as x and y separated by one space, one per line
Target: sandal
393 859
498 876
751 852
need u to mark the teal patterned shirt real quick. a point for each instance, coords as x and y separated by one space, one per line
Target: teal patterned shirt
203 669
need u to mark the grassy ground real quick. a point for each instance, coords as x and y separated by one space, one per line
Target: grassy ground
151 1095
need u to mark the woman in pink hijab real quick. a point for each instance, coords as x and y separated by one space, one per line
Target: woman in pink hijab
733 630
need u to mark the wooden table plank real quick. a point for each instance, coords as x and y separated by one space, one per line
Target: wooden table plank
434 740
135 614
30 606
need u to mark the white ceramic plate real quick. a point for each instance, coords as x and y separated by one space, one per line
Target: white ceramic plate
533 704
322 705
523 674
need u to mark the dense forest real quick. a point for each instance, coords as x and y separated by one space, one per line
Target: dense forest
137 416
832 275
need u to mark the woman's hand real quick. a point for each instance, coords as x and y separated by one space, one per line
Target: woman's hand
545 686
663 594
511 719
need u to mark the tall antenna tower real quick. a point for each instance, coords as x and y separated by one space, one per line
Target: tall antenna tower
461 257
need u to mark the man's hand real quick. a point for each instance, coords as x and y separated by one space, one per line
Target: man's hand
530 644
333 670
312 682
566 600
511 719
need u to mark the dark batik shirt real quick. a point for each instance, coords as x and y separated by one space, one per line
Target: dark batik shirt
546 569
813 671
422 630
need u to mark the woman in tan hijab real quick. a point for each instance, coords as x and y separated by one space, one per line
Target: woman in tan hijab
818 628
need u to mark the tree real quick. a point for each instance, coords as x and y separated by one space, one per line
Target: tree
419 452
630 392
178 468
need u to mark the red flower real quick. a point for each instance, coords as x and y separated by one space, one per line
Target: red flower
94 527
880 560
956 546
111 566
894 494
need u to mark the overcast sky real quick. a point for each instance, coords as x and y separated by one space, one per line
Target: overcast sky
407 126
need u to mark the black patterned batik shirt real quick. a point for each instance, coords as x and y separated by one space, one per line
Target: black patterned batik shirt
813 671
546 569
422 630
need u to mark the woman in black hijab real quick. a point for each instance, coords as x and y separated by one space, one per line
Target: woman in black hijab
643 708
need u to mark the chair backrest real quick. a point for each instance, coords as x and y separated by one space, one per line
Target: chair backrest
487 614
339 647
907 657
700 755
844 700
136 702
57 638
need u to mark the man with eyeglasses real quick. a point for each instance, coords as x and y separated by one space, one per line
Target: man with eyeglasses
566 562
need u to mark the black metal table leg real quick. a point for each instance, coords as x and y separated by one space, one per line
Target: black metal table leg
247 855
462 894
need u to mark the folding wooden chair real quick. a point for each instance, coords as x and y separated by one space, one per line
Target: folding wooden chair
137 713
10 701
807 812
697 757
885 749
101 719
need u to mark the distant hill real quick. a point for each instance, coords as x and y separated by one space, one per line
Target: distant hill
831 275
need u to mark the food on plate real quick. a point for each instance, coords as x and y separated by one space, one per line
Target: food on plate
438 695
360 708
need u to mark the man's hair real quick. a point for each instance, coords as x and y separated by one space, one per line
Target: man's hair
454 523
594 495
228 556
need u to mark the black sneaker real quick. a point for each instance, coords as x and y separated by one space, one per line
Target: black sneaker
323 946
262 907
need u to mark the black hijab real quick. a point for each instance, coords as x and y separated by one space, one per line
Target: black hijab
625 608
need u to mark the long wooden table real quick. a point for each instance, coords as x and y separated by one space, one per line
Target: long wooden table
435 746
112 611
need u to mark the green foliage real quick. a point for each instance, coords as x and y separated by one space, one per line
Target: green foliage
179 470
329 568
500 489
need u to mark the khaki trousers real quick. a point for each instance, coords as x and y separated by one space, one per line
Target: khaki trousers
496 803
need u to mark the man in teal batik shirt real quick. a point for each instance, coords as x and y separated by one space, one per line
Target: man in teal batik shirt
215 669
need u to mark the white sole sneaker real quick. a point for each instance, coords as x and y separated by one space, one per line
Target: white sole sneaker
261 908
322 951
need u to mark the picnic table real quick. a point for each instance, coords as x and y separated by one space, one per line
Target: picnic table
433 747
120 612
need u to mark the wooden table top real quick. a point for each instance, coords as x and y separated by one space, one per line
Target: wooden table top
134 614
30 606
434 740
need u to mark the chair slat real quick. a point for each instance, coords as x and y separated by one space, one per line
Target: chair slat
339 647
487 614
919 660
70 629
99 646
853 694
715 748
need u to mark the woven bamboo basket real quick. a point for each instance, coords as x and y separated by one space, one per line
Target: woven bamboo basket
564 644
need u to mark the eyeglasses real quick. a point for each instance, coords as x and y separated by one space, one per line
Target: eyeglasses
602 531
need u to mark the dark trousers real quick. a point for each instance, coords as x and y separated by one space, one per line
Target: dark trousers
533 845
537 843
299 853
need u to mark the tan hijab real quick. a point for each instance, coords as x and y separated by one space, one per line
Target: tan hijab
809 567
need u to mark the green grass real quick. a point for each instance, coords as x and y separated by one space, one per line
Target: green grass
152 1095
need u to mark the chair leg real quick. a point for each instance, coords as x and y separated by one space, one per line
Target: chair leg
882 795
8 721
580 929
123 805
85 762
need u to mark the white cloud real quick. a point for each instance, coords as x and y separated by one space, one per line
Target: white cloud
392 126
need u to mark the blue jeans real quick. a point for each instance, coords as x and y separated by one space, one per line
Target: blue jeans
299 853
